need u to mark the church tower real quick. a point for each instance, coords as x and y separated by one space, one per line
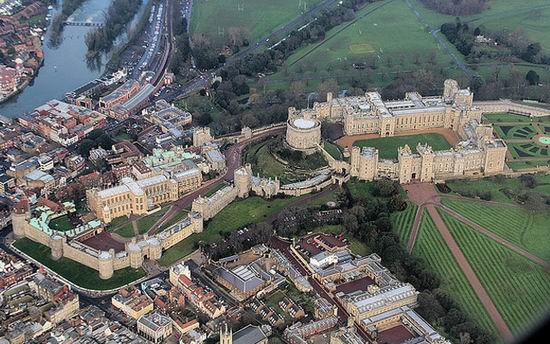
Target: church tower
226 335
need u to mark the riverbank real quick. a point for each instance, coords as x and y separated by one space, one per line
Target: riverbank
22 36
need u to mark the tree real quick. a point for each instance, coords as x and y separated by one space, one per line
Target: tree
532 77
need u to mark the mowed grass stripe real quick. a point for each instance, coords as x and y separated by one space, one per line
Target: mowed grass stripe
506 222
403 221
431 247
516 225
520 289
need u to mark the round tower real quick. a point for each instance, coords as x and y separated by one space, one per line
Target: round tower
56 244
106 264
242 182
134 253
155 249
19 216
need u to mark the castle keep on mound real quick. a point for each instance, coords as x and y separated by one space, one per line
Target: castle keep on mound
478 153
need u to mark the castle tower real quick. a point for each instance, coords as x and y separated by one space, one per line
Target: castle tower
427 163
405 164
242 181
134 254
155 249
450 89
105 266
56 244
226 335
19 216
198 223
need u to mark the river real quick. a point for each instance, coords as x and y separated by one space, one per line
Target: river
65 66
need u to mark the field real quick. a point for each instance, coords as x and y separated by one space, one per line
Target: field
519 288
61 224
402 222
514 224
497 187
236 215
258 18
77 273
386 33
388 146
125 227
523 137
432 248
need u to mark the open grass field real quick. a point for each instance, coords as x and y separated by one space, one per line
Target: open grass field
388 146
125 228
387 32
61 224
520 289
76 272
402 222
497 186
236 215
432 248
257 18
519 226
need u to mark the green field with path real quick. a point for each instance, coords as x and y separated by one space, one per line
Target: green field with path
388 146
519 288
257 18
386 32
432 248
527 229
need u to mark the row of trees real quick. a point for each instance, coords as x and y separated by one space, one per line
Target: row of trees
182 49
457 7
503 45
118 15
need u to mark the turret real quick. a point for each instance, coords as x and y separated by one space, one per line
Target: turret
106 264
56 244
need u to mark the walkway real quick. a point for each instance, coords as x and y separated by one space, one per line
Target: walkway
424 195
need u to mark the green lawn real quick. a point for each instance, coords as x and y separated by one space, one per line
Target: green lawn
258 18
236 215
402 222
333 150
124 227
432 248
386 33
506 117
497 187
61 224
519 288
388 146
519 226
75 272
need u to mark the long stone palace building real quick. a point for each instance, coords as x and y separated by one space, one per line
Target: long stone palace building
478 152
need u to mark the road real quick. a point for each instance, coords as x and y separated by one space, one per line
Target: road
441 42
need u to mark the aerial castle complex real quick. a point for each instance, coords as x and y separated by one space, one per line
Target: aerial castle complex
478 153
